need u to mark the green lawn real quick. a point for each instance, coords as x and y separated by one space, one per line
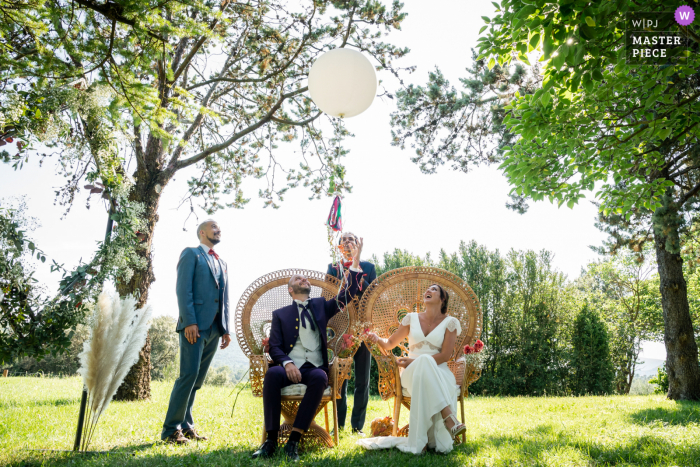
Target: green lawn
41 413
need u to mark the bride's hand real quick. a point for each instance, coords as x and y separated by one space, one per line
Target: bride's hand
403 362
373 337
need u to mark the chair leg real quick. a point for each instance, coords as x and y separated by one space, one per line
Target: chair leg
264 434
335 420
325 412
461 405
397 413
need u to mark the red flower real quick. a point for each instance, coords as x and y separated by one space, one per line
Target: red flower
77 305
478 345
468 349
347 341
266 345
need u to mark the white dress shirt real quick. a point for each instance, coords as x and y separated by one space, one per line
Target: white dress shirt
212 260
307 348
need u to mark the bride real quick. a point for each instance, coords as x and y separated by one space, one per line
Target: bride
425 377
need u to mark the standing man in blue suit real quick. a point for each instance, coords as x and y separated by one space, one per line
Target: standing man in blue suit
202 298
363 358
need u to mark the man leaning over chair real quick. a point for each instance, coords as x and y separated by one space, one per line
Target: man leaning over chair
298 348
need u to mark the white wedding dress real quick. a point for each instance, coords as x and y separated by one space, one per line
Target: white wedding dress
430 386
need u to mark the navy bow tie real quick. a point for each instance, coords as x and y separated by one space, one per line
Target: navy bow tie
306 315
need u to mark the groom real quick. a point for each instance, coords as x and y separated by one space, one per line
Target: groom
202 297
298 347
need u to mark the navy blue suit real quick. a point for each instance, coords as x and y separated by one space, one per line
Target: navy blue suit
362 359
202 298
283 336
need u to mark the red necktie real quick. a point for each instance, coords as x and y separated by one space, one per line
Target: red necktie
213 253
348 264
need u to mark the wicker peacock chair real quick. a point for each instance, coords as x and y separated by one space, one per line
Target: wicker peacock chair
253 321
399 292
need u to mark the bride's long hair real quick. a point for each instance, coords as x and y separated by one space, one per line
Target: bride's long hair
445 297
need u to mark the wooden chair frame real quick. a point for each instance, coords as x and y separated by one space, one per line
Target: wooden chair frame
400 291
253 316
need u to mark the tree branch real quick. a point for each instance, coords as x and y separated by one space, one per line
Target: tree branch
175 166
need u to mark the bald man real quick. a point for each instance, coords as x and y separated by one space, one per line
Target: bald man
202 298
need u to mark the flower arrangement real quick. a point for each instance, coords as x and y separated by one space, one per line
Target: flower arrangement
478 347
382 426
474 355
348 344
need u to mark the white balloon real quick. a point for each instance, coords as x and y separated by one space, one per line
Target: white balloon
342 83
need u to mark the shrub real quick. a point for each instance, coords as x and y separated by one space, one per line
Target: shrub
591 363
660 380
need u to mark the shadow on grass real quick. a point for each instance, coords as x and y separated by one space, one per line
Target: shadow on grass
683 413
543 445
535 446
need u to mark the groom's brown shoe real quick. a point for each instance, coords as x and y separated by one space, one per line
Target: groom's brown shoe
177 438
190 433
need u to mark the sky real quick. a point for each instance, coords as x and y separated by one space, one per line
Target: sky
393 205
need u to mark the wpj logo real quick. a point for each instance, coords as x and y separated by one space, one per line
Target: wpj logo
658 38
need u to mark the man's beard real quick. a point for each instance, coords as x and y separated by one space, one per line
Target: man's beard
213 241
301 290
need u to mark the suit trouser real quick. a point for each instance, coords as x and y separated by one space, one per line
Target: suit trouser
363 360
316 381
194 364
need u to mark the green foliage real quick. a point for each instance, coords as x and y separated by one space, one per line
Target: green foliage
591 364
35 325
41 413
624 290
525 306
29 326
220 376
65 363
660 380
206 83
165 347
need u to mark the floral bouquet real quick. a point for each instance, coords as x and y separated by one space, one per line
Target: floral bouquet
382 426
474 355
348 344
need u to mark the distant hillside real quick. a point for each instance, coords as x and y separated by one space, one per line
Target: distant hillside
232 357
648 368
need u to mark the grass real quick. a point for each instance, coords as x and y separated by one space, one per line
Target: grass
41 413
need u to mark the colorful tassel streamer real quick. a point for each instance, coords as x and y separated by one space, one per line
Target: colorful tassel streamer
335 218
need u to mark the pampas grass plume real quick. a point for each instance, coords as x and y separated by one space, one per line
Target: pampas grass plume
117 333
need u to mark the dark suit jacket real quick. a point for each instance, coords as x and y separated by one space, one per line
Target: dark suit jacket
368 274
200 296
285 323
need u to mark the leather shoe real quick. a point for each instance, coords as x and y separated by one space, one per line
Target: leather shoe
358 432
177 438
190 433
291 450
266 450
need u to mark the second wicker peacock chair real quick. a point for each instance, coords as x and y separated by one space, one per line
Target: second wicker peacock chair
399 292
253 319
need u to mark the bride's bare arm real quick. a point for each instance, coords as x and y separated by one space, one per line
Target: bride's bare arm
387 344
448 346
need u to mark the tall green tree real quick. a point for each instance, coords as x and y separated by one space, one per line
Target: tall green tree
624 290
210 86
590 362
582 120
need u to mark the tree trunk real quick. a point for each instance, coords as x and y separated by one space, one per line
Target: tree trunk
681 349
148 189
